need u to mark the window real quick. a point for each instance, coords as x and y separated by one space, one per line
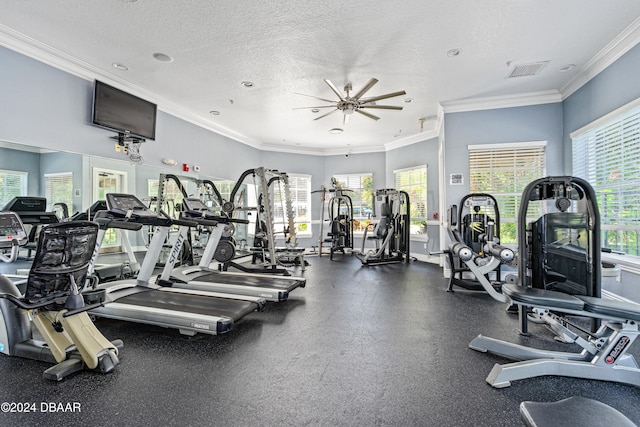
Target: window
58 189
300 196
12 184
224 188
503 171
606 153
414 182
361 194
172 195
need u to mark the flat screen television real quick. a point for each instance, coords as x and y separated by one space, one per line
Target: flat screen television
125 113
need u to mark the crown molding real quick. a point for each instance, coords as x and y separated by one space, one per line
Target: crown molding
620 45
504 101
48 55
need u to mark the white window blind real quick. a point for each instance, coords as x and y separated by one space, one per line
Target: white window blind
503 171
58 188
12 184
414 182
608 157
300 194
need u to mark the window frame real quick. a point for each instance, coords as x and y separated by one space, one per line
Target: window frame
418 227
613 173
302 223
24 183
521 155
365 211
58 178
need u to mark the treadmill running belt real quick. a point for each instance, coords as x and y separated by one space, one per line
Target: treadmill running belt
197 304
258 282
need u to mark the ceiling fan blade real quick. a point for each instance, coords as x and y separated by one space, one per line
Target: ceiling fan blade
317 106
325 115
371 116
382 107
334 89
311 96
365 89
378 98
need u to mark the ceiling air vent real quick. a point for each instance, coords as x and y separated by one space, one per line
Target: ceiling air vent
523 70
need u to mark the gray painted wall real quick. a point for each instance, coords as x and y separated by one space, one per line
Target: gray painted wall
612 88
505 125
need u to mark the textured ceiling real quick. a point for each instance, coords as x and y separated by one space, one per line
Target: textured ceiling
288 48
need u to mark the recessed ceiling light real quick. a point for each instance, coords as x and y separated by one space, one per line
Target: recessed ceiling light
247 83
315 110
408 100
120 67
162 57
336 131
214 112
454 52
566 68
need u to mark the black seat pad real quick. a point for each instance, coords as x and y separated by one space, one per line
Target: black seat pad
608 307
541 297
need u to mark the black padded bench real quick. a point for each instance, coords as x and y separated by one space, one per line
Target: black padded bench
605 353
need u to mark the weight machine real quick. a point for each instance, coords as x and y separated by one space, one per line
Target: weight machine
340 209
560 251
391 234
474 230
264 247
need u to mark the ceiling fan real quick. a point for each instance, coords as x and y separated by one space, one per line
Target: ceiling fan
349 104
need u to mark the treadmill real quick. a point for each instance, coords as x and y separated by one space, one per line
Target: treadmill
204 278
139 300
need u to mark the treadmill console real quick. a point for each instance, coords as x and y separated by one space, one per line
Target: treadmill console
11 229
128 206
193 205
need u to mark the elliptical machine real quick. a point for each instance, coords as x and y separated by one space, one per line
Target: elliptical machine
52 301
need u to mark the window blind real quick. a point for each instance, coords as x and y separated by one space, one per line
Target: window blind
503 171
608 157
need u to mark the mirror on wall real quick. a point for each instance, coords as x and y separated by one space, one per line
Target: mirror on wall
75 180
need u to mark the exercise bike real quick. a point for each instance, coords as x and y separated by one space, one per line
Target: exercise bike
52 302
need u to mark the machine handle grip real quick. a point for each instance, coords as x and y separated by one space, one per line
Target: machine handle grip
461 250
503 253
105 223
185 222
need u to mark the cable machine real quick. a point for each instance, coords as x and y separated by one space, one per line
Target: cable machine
392 233
340 210
560 250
